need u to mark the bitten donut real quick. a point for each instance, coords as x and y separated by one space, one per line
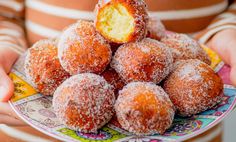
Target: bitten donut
156 30
147 60
184 47
84 102
42 67
193 87
81 49
144 109
122 21
112 77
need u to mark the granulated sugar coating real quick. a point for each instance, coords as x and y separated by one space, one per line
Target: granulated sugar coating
144 109
84 102
184 47
112 77
193 87
42 67
147 60
156 30
82 49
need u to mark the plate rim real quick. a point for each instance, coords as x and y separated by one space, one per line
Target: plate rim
35 126
58 136
189 136
212 124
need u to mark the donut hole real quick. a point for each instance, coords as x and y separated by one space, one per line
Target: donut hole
116 22
144 109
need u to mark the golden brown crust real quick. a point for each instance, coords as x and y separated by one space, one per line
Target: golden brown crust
136 8
193 87
113 78
84 102
156 30
144 109
147 60
183 47
43 68
82 49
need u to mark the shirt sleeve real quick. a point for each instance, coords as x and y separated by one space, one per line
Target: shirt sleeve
12 35
223 21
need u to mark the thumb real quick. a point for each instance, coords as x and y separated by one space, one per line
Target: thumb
233 75
6 86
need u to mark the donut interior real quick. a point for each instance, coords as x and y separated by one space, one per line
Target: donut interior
116 22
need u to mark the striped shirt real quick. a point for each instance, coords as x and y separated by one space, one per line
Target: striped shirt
47 18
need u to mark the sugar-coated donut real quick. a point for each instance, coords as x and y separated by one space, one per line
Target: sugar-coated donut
193 87
156 30
82 49
144 109
184 47
147 60
84 102
42 67
113 78
122 21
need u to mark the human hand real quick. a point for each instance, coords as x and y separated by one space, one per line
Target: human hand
7 115
224 44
